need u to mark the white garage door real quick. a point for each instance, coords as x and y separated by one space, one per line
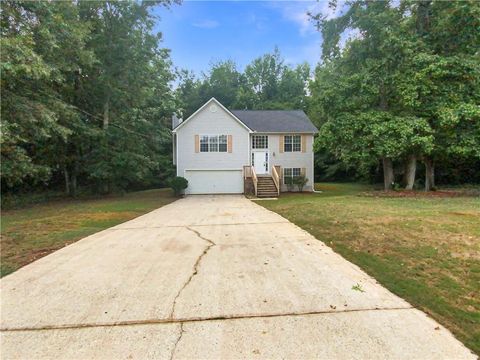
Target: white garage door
214 181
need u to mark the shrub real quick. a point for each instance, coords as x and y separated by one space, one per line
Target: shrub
300 181
289 181
396 186
178 184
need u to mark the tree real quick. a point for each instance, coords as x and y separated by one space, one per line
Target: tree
132 97
188 93
89 95
263 76
266 83
222 83
36 83
441 85
292 88
364 121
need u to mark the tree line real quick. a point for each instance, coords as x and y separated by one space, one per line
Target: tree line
86 96
266 83
405 88
88 93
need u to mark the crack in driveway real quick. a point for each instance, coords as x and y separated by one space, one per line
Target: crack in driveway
195 268
172 354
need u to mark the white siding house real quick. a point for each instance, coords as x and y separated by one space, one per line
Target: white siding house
214 147
212 171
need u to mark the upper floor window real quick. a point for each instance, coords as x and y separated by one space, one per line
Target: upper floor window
259 142
292 143
213 143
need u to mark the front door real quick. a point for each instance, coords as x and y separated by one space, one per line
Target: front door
260 162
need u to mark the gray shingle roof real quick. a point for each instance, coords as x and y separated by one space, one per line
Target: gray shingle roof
279 121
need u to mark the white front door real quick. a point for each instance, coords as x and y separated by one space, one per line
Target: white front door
260 162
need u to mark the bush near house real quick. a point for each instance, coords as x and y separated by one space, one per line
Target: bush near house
300 181
178 184
290 182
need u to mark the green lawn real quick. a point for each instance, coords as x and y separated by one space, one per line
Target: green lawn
36 231
426 250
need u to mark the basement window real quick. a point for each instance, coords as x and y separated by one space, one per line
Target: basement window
290 173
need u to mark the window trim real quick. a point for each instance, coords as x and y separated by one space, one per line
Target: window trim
292 143
212 144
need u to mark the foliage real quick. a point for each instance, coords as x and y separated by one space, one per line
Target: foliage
290 182
178 184
87 93
266 83
394 91
86 96
300 181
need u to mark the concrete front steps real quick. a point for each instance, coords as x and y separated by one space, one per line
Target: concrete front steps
266 187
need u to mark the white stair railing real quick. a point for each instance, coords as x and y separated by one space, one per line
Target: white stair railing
254 179
276 179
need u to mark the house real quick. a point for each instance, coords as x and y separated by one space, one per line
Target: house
221 151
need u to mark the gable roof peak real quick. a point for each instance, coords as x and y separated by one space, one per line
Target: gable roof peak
203 107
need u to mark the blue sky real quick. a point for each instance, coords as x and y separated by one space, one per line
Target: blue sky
201 32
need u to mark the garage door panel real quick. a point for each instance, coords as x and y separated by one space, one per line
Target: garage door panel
214 181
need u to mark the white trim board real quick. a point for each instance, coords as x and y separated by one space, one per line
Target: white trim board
207 169
204 106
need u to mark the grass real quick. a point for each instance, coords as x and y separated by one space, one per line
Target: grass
30 233
426 250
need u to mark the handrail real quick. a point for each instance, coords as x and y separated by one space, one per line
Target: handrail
254 179
276 179
247 172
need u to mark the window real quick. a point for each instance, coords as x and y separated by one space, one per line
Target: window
259 142
292 143
290 173
222 143
204 143
213 143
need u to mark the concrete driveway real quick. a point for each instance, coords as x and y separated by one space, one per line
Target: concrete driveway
209 277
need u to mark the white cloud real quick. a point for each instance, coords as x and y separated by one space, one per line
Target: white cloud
259 22
206 24
297 12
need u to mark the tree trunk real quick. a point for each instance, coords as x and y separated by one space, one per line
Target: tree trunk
429 174
73 180
387 173
67 180
106 114
74 174
423 17
410 169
